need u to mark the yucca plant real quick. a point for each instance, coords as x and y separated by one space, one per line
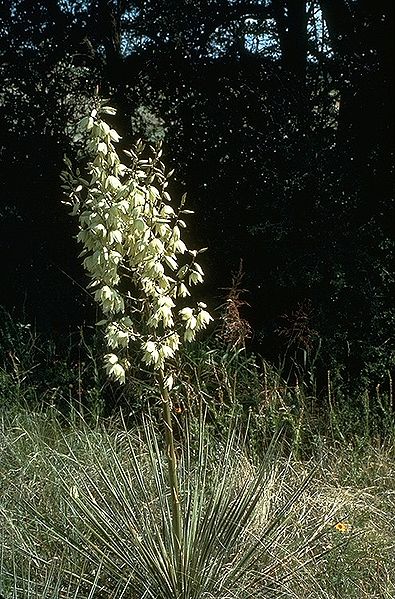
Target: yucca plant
238 537
44 465
131 236
184 534
193 519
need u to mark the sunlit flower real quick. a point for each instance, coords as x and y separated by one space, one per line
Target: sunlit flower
343 527
113 368
131 238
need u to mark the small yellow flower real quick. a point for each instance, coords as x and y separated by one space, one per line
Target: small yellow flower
343 527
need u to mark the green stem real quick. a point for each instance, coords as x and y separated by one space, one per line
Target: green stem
173 473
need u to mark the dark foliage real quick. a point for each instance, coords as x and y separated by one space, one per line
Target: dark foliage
277 116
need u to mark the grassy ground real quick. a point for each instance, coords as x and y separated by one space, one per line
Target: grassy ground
336 539
84 499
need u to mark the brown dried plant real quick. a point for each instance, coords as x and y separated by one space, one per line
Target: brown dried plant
235 329
296 326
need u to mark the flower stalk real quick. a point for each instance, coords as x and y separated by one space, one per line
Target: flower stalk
139 267
172 463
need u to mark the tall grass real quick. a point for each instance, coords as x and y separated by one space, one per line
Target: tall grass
211 376
85 513
85 500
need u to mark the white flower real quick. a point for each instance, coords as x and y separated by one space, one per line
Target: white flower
156 246
115 237
110 359
104 128
102 148
176 233
202 320
116 336
131 235
195 277
166 211
85 124
165 300
151 353
118 373
189 335
180 247
114 135
106 110
110 299
171 262
173 341
113 182
165 351
169 382
100 230
191 323
113 368
186 313
182 290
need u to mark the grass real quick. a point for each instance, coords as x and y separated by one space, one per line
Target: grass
284 494
84 513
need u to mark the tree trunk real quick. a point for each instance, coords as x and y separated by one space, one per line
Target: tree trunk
362 40
291 19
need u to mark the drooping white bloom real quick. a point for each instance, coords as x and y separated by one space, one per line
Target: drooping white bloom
186 313
113 368
131 238
203 318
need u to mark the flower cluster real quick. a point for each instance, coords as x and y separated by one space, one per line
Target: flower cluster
131 237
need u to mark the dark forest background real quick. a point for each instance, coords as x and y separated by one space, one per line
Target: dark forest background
278 118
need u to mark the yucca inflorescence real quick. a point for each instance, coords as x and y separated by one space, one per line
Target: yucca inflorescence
131 237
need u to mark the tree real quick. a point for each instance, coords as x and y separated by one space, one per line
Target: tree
277 114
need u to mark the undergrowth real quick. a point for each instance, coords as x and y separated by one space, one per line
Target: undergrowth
212 376
83 514
84 500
